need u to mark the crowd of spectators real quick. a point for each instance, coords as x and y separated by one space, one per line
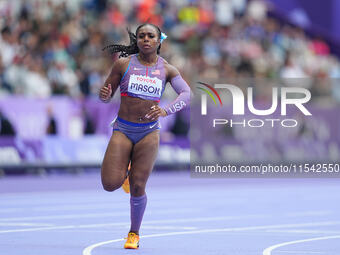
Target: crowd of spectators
50 47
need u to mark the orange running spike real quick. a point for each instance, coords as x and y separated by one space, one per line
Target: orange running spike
132 241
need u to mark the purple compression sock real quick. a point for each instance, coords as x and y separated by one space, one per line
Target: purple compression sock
138 205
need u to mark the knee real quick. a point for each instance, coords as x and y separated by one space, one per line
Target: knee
111 179
111 186
137 188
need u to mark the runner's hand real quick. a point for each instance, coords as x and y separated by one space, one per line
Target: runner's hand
155 112
105 93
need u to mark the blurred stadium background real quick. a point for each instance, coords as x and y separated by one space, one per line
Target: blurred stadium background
52 66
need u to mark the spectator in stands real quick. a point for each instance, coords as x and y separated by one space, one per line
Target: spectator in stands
213 39
6 128
4 86
52 124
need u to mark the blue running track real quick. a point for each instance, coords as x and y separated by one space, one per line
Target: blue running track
72 215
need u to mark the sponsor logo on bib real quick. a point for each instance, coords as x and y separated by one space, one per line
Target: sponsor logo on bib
146 86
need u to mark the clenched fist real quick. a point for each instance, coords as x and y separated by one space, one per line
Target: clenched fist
105 93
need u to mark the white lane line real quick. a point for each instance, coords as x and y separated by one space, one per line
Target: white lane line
127 226
168 227
304 231
199 219
67 216
185 220
149 227
75 227
179 220
35 229
23 224
95 215
301 252
309 224
81 206
307 213
62 208
88 250
84 231
268 251
90 215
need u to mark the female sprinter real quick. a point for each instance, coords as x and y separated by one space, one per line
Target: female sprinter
141 76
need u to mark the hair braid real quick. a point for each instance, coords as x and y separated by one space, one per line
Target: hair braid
125 50
132 48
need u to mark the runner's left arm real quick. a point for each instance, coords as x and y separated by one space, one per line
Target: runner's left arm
182 100
181 88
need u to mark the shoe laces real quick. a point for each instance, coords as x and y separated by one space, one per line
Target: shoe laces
132 237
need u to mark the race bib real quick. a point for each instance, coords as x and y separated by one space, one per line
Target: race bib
146 86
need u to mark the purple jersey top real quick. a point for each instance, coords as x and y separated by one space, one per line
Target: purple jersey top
146 82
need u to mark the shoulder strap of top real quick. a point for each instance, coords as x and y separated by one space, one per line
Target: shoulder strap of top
135 59
127 69
160 62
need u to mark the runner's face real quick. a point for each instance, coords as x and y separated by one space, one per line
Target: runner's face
147 39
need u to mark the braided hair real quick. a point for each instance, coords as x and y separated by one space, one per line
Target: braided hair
132 48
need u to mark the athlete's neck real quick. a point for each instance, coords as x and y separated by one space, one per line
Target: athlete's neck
148 59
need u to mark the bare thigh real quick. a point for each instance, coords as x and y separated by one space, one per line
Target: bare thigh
143 158
116 160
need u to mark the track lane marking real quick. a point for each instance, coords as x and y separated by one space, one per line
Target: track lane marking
88 250
268 251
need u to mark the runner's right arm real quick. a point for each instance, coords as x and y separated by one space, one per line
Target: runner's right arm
112 82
